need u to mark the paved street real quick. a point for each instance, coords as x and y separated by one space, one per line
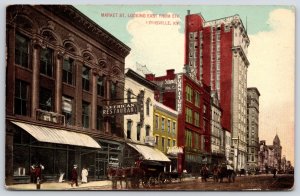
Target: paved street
256 182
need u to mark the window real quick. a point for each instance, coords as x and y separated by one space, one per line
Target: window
188 138
189 93
85 114
197 119
196 140
85 78
113 90
188 115
169 126
163 143
174 142
45 99
67 106
147 130
156 139
162 124
21 98
197 99
138 132
68 71
129 125
148 107
100 86
22 51
174 127
156 122
129 93
100 122
169 142
204 109
46 62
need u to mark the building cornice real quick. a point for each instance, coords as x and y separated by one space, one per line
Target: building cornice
239 49
140 79
86 25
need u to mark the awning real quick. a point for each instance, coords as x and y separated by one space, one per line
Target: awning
150 153
58 136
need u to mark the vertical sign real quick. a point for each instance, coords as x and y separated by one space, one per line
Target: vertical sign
179 93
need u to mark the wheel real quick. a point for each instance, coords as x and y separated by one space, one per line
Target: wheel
152 181
161 178
145 182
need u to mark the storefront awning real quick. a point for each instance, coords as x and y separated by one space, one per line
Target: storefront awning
150 153
58 136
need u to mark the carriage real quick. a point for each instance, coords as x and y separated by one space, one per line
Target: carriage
146 172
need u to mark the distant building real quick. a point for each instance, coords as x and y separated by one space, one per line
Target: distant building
252 127
217 133
270 155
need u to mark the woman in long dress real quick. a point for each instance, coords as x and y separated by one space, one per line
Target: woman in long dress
84 174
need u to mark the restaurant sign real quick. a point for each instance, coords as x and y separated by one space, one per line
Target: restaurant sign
124 108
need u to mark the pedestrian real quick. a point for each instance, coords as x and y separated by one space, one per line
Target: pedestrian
38 172
215 173
32 174
84 175
74 176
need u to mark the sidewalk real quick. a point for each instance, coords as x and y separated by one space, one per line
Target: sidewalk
106 184
59 186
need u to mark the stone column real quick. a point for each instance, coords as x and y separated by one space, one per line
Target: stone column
107 97
94 99
10 76
58 84
78 93
35 76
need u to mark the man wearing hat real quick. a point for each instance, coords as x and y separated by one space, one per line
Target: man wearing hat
74 176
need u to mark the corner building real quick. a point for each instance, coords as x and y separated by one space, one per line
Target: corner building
62 69
216 52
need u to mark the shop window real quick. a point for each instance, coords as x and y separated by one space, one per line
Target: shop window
21 98
46 62
22 51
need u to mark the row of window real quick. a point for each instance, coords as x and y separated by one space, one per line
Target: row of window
163 125
22 105
194 140
138 130
163 142
47 66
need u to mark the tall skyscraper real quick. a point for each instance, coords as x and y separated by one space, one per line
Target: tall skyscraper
216 55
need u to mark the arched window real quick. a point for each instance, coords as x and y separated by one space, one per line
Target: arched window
148 106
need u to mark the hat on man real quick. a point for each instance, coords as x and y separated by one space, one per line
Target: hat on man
75 165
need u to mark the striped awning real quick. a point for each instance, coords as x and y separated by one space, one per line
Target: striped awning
150 153
58 136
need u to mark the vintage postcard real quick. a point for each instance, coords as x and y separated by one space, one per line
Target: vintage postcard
150 97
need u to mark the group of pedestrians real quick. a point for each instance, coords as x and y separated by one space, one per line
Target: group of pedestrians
74 175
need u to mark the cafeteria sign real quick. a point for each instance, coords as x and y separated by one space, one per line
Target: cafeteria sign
125 108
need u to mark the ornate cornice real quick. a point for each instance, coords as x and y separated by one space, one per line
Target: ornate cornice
86 25
239 49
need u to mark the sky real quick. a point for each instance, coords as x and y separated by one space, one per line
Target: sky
271 53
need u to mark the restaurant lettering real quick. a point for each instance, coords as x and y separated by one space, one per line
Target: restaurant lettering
125 108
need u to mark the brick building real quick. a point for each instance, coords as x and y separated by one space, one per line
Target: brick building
192 102
216 55
62 69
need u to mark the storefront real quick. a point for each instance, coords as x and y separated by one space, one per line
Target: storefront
57 150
